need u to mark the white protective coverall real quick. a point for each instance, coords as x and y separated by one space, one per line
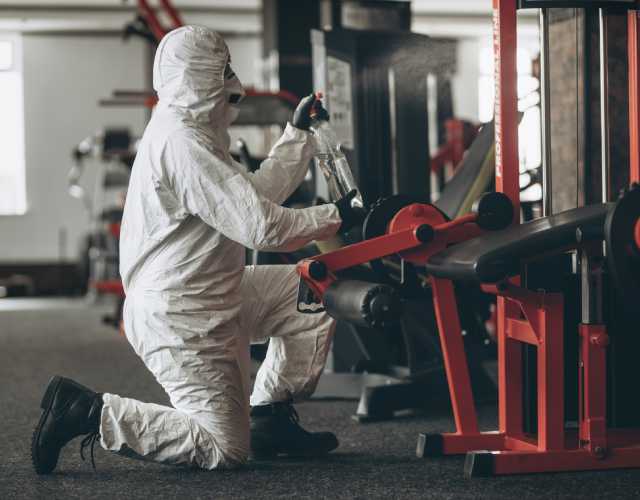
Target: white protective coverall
192 306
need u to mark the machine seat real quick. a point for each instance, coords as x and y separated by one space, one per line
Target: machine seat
499 254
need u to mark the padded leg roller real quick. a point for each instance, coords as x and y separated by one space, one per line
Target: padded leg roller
371 305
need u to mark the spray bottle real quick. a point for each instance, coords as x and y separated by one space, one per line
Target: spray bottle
330 159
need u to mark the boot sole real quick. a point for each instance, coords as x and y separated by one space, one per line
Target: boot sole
45 404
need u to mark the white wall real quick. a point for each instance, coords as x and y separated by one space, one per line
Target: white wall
64 77
246 56
465 80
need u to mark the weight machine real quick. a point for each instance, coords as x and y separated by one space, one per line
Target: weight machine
147 23
491 248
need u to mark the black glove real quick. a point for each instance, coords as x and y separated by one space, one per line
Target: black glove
351 216
308 106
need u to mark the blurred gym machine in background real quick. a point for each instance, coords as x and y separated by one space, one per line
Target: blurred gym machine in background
388 93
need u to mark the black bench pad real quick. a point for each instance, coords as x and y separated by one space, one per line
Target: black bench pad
499 254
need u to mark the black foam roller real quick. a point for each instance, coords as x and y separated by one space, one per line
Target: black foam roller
362 303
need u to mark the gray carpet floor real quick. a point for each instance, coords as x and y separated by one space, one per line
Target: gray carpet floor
39 339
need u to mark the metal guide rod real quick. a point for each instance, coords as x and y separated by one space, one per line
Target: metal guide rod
634 96
591 278
604 107
592 289
393 118
545 97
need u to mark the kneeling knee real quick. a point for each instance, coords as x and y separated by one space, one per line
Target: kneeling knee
214 452
232 456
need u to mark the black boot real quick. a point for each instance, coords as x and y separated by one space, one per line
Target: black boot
275 431
70 410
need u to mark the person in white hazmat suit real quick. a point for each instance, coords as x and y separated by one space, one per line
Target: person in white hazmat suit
192 307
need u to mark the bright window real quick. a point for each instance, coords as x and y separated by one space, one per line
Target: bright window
13 199
529 132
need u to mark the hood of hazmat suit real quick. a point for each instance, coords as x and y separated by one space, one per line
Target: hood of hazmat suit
189 215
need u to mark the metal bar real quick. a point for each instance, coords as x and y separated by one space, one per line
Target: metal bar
143 94
393 132
604 107
592 289
551 374
506 102
545 96
521 330
634 96
456 136
528 462
522 443
459 229
590 272
172 12
509 372
152 19
457 444
367 250
464 219
121 102
593 422
507 182
455 359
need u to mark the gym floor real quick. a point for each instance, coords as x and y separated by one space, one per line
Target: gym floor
42 338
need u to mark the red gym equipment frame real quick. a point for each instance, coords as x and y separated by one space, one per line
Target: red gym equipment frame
524 316
460 135
156 27
534 318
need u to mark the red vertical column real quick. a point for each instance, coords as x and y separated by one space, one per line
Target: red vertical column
152 19
507 181
509 372
455 359
506 101
172 13
593 355
634 96
551 374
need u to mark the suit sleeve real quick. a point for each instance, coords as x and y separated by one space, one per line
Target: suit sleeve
228 201
284 169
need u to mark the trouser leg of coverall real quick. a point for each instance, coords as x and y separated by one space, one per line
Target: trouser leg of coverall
299 343
207 378
208 425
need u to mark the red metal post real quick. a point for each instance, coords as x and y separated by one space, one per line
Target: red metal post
455 359
368 250
507 182
150 16
509 372
172 13
634 96
506 101
551 374
537 317
593 390
455 134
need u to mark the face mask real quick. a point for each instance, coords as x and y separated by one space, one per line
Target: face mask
234 92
